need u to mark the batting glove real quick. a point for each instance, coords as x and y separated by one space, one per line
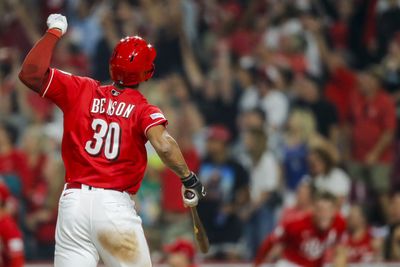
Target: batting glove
190 198
192 190
57 21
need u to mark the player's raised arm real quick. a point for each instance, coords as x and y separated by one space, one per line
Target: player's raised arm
35 68
171 155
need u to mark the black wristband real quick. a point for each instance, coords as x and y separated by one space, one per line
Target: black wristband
190 181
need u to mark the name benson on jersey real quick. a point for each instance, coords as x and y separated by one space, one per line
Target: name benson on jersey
100 105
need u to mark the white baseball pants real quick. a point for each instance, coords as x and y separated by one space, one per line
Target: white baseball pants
95 223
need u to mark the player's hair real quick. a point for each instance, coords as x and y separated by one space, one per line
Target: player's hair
324 195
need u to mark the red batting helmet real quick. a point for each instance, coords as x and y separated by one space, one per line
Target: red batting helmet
132 61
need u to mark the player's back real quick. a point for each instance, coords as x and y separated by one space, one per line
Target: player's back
104 131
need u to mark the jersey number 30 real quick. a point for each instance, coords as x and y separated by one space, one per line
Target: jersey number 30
103 132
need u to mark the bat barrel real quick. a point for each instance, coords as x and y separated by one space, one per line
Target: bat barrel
199 232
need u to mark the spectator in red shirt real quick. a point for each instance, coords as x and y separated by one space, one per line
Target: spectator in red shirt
340 85
306 240
358 239
11 244
180 254
373 124
339 29
341 80
13 163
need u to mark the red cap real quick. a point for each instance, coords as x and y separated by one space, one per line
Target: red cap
218 132
4 192
182 246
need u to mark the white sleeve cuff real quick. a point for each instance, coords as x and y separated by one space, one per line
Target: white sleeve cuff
49 82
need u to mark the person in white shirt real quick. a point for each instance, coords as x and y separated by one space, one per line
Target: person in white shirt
326 176
264 198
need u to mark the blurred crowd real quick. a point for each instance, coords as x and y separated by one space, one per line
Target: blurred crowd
269 100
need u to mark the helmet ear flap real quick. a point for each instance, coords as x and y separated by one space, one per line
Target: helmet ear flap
149 73
152 53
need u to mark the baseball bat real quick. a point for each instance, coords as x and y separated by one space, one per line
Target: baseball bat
200 234
199 231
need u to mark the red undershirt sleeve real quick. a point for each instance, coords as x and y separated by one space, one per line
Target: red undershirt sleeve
35 68
61 87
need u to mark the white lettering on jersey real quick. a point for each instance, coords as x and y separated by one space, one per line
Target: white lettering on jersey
102 102
120 108
279 231
313 248
95 105
128 111
110 107
157 116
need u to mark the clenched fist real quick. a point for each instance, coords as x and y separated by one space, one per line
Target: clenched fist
57 21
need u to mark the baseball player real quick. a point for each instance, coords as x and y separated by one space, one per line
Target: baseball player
103 148
306 240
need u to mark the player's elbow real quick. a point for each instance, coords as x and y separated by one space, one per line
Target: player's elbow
22 76
25 77
163 143
166 147
29 78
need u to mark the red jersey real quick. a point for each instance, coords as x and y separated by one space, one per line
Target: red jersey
370 118
11 244
292 214
360 250
104 131
304 244
339 89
